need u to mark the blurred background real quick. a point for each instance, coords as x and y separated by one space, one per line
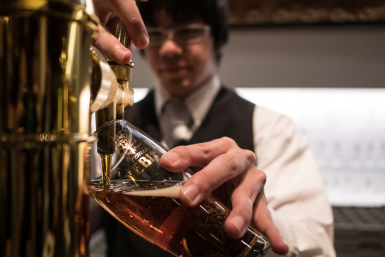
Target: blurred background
322 63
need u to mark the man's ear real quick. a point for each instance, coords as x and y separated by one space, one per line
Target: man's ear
219 53
221 49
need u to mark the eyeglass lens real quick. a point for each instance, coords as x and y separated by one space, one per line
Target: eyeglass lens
182 35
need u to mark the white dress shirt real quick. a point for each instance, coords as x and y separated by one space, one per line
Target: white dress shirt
294 188
198 103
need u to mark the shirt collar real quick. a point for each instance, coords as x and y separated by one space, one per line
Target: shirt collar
198 102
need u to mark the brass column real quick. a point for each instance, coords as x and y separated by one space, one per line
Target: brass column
44 126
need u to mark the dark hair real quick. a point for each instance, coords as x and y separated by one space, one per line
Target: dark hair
211 12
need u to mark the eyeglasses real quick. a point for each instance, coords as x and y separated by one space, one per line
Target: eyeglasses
183 35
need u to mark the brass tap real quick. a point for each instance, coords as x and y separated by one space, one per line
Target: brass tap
110 90
118 97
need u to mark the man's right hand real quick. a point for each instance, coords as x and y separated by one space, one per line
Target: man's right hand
108 11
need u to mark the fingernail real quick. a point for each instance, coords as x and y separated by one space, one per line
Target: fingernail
190 191
238 223
120 54
171 157
142 40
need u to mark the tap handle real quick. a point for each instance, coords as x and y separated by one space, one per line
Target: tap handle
123 73
122 35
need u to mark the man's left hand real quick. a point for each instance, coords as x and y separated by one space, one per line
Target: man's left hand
223 160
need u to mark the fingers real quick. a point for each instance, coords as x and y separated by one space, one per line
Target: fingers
129 14
223 160
196 155
110 46
243 199
264 223
221 169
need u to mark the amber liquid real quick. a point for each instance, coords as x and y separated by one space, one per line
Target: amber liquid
159 217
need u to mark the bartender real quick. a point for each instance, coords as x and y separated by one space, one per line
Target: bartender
255 160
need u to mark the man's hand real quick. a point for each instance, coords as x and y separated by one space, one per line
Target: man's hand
223 160
108 11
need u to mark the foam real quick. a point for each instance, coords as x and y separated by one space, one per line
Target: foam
172 191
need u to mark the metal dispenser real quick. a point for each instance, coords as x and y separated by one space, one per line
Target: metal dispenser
45 96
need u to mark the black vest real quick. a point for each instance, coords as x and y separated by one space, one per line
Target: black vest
229 116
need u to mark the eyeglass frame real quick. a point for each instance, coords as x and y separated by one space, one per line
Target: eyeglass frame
166 34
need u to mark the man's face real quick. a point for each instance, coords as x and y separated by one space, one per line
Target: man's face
181 67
